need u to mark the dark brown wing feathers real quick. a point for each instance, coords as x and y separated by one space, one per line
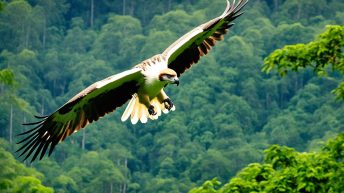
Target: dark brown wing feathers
213 31
49 132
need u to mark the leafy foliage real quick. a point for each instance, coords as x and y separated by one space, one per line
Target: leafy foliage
15 177
286 170
324 54
6 77
1 5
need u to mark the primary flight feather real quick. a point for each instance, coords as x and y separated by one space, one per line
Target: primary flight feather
142 85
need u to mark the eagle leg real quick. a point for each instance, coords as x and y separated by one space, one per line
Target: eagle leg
144 99
168 103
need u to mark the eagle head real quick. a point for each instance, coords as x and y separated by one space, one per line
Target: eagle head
169 76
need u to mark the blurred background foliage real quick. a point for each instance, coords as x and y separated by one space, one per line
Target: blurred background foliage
228 111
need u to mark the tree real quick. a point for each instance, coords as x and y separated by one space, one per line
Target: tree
20 23
15 177
286 170
10 102
209 186
94 173
77 39
51 12
1 5
118 41
291 34
322 55
302 10
6 77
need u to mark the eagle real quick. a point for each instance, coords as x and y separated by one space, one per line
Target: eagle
143 86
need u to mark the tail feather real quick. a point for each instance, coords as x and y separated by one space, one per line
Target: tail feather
129 108
144 116
139 112
135 112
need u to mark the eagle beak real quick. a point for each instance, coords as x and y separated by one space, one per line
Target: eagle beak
176 81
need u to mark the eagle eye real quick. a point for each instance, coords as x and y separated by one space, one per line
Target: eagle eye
169 76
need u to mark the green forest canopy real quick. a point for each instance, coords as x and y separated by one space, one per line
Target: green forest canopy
224 119
286 170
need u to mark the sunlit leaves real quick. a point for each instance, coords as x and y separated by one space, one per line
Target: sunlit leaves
286 170
321 55
339 91
209 186
6 77
15 177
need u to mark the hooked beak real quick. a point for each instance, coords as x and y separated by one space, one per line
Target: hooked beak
176 81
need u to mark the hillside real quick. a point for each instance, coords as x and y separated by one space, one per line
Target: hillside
227 110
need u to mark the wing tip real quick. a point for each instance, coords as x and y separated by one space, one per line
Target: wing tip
35 140
234 8
41 116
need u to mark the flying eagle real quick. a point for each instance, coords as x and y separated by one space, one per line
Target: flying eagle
143 85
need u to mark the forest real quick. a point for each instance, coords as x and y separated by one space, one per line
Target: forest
262 112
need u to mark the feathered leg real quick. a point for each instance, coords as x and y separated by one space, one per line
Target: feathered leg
166 101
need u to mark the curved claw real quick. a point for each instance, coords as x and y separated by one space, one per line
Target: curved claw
168 104
151 110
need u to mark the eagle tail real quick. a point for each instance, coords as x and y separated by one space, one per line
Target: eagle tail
137 111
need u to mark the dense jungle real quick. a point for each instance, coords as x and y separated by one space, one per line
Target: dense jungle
262 112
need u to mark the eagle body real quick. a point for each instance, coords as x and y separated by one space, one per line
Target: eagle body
143 86
151 69
150 93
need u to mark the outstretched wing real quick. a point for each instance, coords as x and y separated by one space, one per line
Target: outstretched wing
89 105
188 49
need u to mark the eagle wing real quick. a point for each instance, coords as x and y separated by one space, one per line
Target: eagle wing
89 105
188 49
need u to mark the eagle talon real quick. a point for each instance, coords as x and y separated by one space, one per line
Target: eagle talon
151 110
168 104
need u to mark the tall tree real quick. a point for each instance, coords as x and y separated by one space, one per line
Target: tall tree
52 12
321 55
